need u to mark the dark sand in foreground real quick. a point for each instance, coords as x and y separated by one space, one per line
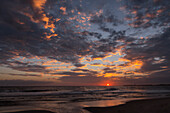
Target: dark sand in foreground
33 111
137 106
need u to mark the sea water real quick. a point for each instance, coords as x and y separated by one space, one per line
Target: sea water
72 99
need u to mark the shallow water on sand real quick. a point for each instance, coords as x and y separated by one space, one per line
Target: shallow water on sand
69 99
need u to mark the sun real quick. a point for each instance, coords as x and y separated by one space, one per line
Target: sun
107 84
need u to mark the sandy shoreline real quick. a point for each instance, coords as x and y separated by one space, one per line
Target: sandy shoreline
161 105
33 111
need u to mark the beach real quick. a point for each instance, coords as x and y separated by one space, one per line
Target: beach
161 105
68 99
33 111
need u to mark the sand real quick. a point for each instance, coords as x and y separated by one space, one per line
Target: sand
138 106
161 105
34 111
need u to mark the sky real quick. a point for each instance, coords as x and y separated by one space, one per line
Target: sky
84 42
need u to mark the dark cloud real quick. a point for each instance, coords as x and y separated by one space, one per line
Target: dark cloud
36 75
109 70
155 53
25 75
161 77
84 80
84 72
24 83
20 66
57 32
21 36
90 72
145 15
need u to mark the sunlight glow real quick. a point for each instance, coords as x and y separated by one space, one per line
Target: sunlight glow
107 84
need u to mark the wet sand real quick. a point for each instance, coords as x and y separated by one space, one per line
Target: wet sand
161 105
33 111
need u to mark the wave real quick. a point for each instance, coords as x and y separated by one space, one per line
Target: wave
54 91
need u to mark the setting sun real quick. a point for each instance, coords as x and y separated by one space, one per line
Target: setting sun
107 84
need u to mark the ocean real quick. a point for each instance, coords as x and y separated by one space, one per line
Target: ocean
72 99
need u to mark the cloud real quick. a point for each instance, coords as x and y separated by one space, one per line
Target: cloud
19 82
78 72
154 55
84 80
24 75
144 15
77 38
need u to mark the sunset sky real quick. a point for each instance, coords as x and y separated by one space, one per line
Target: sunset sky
84 42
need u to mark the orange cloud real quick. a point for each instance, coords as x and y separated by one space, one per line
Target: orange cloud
39 4
134 12
63 9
